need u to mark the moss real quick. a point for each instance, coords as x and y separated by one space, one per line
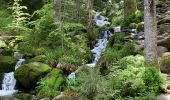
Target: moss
7 63
2 44
29 74
52 84
41 58
23 96
165 63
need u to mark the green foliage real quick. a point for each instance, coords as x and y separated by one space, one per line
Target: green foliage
5 18
116 21
50 85
128 49
134 18
20 18
135 61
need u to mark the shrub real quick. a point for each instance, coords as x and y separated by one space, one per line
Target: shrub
128 49
134 18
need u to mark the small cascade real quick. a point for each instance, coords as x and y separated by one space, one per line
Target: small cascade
9 82
100 20
102 42
98 48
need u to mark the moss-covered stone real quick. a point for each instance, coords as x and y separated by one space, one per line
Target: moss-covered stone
2 44
53 82
165 63
7 52
30 73
23 96
7 64
41 58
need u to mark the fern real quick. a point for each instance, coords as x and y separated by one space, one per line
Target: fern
19 16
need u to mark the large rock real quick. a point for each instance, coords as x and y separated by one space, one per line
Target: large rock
161 50
166 19
165 63
40 58
164 40
2 44
30 73
7 64
165 28
53 82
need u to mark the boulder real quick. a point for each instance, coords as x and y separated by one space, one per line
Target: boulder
161 50
7 52
52 81
165 28
166 19
165 63
41 58
23 96
7 64
164 40
29 74
3 44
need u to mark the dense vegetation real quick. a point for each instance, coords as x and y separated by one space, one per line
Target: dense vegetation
54 49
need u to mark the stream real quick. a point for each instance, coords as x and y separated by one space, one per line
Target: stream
9 82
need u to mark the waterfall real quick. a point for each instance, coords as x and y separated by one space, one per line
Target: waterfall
101 43
9 82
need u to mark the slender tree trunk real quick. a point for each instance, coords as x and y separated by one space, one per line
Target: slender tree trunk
130 6
57 10
90 15
150 31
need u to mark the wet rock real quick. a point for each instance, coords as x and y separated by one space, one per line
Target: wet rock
29 74
7 64
3 44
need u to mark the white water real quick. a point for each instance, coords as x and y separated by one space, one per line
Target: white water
9 82
100 20
102 42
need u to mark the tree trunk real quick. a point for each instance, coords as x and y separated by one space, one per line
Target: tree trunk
150 31
130 6
57 10
90 15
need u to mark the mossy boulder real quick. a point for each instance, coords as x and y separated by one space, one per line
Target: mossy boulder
7 64
3 44
29 74
165 62
23 96
132 25
7 52
52 84
41 58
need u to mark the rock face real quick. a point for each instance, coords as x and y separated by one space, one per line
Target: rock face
163 15
30 73
7 64
165 63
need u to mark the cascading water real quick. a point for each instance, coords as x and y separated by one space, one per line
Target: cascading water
9 82
102 42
